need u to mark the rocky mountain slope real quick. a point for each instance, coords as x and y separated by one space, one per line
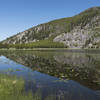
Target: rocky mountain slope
80 31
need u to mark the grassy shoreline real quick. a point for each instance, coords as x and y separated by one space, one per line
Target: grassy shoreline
11 88
46 49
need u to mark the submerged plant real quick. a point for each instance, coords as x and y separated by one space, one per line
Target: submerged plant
12 88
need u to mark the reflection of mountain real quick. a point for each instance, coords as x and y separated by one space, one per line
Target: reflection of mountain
53 89
81 67
48 87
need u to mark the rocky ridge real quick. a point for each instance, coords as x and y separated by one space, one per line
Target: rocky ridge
80 31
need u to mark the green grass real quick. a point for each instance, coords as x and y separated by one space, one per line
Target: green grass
12 88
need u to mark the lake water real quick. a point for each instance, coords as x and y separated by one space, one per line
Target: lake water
57 75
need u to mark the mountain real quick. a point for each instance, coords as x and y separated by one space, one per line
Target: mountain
79 31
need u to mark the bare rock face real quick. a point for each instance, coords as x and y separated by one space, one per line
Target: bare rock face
87 36
80 31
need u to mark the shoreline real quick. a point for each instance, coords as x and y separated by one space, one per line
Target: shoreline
47 49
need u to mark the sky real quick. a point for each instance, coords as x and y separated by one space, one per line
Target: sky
19 15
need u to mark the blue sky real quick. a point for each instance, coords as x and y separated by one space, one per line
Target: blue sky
19 15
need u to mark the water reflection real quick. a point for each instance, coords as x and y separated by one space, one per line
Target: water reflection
57 75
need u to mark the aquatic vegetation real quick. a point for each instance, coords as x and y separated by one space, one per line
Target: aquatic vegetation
12 88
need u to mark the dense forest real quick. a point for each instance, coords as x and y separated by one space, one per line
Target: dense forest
40 44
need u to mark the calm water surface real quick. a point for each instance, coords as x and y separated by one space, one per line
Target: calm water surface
59 75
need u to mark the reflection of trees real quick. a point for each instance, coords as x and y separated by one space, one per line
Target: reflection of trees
81 67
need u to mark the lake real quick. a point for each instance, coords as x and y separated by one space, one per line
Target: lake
56 75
